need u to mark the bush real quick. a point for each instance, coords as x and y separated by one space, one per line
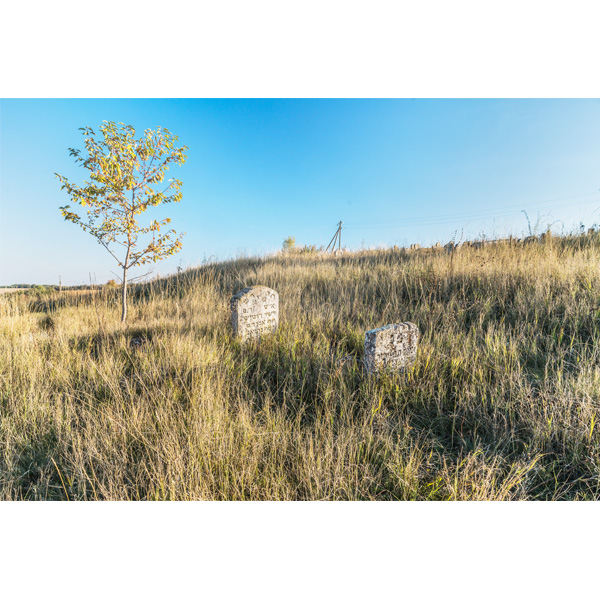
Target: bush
47 323
289 243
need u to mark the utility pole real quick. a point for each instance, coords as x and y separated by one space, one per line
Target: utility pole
337 237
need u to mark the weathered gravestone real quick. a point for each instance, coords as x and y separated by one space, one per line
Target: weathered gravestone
393 347
255 312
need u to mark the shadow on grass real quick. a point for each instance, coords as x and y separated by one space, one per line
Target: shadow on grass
311 388
34 472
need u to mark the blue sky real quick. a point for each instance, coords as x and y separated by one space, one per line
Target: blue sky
395 171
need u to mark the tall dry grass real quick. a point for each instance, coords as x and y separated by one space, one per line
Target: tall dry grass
502 403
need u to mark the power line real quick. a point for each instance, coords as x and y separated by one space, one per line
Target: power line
477 215
533 205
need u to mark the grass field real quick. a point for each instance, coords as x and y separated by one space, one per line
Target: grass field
502 403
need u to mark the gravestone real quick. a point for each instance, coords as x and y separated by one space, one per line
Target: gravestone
393 347
255 312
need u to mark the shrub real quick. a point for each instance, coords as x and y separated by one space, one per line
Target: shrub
47 323
289 243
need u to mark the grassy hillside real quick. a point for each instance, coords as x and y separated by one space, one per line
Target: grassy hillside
502 403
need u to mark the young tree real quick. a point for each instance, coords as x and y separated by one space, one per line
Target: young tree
289 243
123 173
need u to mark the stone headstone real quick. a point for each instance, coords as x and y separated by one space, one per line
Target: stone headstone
450 247
255 312
392 347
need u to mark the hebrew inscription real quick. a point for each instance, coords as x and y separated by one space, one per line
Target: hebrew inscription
255 312
393 347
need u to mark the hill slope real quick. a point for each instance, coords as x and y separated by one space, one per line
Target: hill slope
502 402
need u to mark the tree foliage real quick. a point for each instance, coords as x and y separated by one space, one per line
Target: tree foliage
126 178
289 243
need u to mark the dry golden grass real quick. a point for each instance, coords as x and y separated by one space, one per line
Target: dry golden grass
502 403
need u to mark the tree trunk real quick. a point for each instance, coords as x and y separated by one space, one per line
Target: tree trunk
124 297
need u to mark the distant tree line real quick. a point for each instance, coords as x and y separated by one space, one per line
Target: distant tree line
37 287
29 285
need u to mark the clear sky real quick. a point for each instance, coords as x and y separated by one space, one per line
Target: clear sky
394 171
